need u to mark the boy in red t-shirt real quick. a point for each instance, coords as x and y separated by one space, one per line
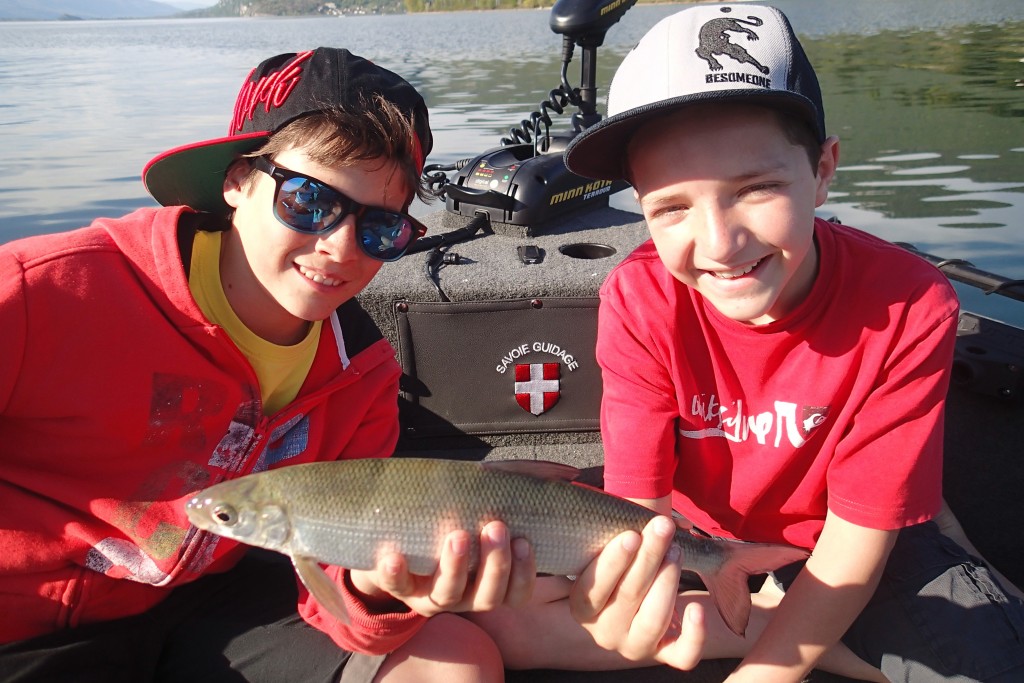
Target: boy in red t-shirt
771 377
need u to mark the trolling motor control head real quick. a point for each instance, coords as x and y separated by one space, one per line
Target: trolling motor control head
586 21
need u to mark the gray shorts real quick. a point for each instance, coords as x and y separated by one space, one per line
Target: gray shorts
241 625
938 615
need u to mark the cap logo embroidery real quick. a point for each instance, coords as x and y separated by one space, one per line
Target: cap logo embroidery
271 91
716 42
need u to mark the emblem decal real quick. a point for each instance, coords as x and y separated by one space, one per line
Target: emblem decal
537 386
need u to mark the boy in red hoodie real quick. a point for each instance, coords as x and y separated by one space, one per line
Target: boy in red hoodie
151 356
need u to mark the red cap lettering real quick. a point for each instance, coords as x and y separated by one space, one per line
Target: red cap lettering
271 91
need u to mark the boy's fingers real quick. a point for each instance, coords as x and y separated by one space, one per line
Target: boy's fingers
492 576
685 651
392 575
452 575
596 585
655 613
523 576
657 540
627 596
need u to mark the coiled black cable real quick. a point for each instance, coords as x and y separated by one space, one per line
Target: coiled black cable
435 176
529 130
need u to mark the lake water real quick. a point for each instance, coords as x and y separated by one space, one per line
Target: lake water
927 97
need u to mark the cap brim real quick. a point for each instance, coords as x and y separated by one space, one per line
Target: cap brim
600 151
193 175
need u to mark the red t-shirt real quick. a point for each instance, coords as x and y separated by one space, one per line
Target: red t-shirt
757 431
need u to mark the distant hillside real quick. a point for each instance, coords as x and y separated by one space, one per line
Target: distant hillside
289 8
84 9
252 8
31 10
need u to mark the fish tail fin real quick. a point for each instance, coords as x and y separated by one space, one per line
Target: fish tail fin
728 585
320 586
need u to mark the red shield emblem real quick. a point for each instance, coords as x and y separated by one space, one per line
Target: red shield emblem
537 387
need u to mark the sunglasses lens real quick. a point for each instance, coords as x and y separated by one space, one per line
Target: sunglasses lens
385 235
308 205
311 206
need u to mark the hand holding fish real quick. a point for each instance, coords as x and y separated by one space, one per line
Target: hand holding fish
505 576
626 599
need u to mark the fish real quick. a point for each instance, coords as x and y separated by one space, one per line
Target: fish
344 513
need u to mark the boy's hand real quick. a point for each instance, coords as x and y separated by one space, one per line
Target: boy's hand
626 600
505 576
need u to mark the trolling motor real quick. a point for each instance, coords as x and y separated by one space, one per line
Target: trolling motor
524 181
585 23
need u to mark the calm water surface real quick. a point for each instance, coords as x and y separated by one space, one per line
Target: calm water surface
927 97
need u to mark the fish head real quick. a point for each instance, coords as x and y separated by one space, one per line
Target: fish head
237 510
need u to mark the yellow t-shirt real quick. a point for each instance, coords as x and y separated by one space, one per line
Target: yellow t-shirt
280 370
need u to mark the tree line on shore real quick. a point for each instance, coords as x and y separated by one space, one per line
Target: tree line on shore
243 8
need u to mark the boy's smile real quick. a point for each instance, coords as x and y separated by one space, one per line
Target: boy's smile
730 202
289 278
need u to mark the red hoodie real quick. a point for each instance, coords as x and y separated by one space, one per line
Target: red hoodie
119 400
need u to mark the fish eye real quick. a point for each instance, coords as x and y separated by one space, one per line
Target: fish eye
225 514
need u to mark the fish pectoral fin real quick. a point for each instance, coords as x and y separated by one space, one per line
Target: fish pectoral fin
731 596
542 469
728 586
320 586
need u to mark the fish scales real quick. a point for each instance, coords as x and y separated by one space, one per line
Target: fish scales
344 515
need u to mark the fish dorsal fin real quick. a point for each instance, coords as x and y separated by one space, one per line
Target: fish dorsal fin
320 586
542 469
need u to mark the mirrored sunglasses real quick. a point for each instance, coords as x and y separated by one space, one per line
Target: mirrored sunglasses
313 207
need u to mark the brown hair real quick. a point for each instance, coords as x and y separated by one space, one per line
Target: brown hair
373 129
800 133
797 131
